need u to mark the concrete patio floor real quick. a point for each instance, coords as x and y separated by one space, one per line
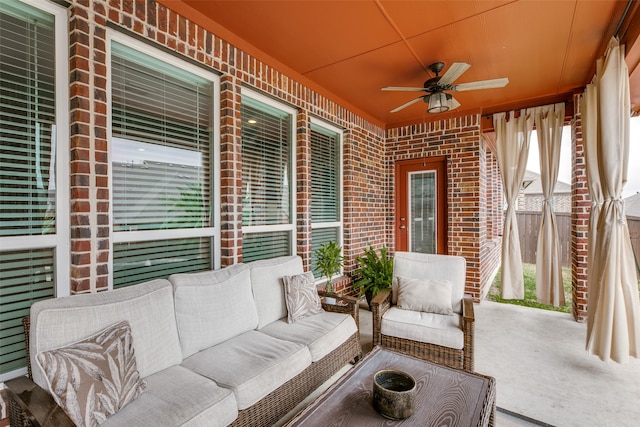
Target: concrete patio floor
543 371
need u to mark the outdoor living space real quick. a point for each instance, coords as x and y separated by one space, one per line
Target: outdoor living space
144 140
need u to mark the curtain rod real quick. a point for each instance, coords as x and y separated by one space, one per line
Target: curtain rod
486 116
622 18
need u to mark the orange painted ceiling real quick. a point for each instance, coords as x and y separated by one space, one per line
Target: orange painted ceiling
349 50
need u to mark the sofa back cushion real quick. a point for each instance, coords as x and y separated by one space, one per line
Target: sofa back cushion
213 306
268 287
414 265
148 307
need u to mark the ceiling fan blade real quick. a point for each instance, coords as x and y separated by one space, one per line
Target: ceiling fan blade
453 103
455 70
403 88
405 105
481 84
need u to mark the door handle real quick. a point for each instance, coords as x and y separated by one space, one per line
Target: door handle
403 227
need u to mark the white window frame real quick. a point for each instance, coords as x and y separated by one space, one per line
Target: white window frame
291 227
340 223
59 241
151 235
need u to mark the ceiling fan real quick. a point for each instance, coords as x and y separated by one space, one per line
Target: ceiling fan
439 101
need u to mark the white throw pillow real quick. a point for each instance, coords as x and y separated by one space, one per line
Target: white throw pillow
429 296
301 296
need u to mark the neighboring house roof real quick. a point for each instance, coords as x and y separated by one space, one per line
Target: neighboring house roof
632 205
532 184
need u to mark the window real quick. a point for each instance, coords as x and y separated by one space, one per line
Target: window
164 135
34 240
268 221
326 187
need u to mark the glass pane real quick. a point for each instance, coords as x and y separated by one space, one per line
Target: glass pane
137 262
27 121
325 175
319 237
162 137
422 216
25 277
265 245
266 153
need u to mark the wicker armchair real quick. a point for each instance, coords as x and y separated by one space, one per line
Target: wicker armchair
421 334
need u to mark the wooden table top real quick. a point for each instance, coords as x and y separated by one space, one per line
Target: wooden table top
445 396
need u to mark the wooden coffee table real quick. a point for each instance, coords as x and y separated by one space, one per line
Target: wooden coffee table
445 396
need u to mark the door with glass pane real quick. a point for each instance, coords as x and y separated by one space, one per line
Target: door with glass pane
421 206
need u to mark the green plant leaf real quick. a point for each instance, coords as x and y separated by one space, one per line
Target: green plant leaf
375 273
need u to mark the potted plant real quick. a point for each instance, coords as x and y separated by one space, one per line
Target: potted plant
329 261
374 273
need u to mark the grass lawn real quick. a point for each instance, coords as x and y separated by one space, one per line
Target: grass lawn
530 290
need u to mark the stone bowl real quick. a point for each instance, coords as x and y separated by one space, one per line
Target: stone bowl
394 394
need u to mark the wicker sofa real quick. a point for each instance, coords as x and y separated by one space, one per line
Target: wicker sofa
214 348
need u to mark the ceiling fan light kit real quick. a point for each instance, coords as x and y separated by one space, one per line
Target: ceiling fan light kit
435 87
438 103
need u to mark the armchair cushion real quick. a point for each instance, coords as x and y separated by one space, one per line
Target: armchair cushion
423 327
301 297
430 296
435 267
94 378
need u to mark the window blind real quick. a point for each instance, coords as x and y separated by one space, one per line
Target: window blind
325 175
257 246
162 138
137 262
27 121
266 153
25 277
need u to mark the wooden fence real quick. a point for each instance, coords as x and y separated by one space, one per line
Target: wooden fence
529 225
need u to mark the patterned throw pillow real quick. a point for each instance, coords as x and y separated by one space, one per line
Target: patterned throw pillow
94 378
301 296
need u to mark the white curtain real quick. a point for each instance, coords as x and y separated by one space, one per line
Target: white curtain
549 121
512 150
613 325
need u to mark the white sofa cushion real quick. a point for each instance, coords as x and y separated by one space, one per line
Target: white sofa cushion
429 266
268 288
322 333
148 307
252 365
423 327
213 306
177 396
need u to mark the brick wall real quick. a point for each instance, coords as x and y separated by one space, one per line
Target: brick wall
459 140
580 209
366 181
561 202
369 151
89 179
